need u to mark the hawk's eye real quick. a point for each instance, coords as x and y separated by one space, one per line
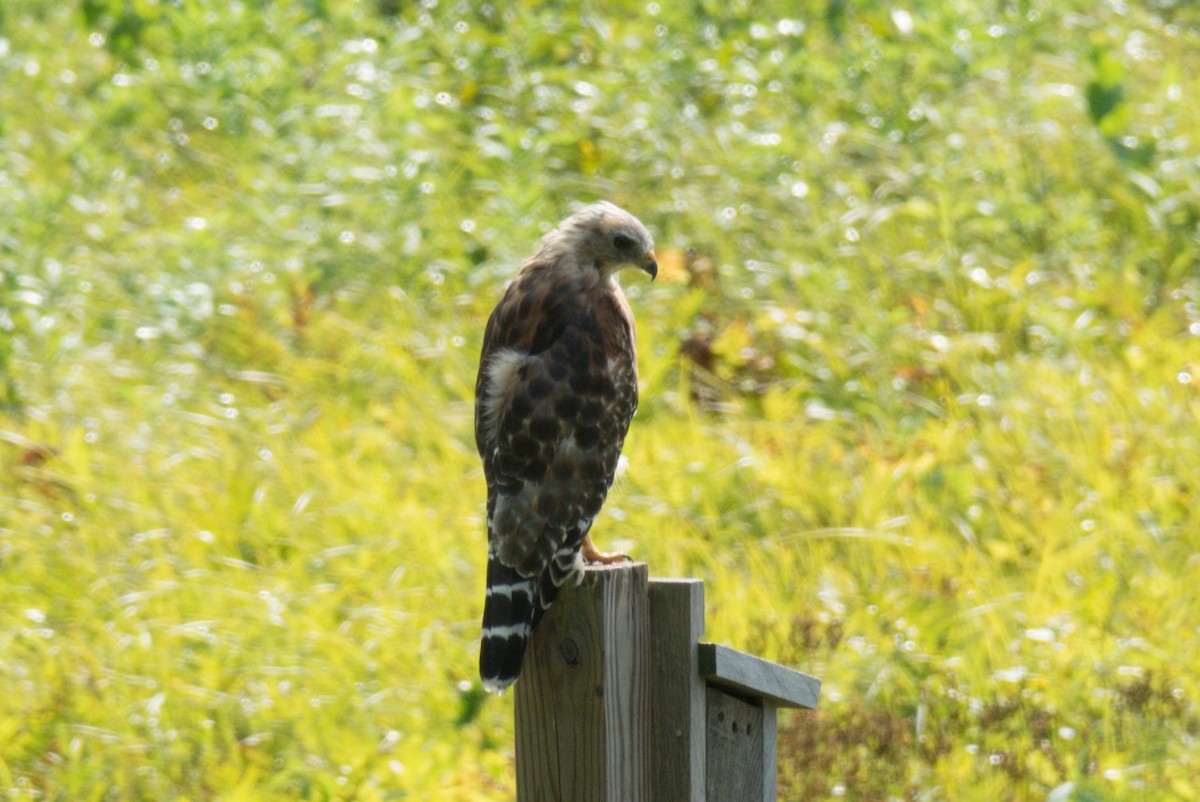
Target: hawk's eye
622 242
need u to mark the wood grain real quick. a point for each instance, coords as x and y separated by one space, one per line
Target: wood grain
678 703
583 699
735 750
754 677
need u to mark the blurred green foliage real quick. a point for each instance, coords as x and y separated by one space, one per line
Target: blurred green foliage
919 380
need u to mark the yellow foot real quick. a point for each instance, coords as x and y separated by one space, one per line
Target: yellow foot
593 555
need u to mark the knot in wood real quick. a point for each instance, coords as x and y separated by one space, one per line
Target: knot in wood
569 650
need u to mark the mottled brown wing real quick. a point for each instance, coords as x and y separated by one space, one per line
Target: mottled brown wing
556 436
528 320
556 393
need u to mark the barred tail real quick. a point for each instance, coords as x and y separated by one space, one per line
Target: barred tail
512 607
507 619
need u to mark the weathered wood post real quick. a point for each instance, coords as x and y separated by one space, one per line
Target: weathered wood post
619 700
679 700
583 699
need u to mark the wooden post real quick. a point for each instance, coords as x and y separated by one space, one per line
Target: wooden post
620 701
678 703
583 699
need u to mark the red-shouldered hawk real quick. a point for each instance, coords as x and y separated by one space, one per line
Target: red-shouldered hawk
557 388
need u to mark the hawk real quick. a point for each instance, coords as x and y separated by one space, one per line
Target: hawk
556 390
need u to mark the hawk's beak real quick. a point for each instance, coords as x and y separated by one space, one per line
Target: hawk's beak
651 265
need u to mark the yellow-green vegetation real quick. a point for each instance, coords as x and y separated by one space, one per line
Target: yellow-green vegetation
921 407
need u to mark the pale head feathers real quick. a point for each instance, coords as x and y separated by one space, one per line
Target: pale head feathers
602 236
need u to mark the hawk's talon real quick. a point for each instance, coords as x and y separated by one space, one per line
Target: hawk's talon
593 556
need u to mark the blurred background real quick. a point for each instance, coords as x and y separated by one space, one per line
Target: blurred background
919 380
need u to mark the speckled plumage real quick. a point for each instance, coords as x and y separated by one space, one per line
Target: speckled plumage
556 391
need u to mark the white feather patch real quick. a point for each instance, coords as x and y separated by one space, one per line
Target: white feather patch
492 685
507 590
506 631
503 372
577 569
622 466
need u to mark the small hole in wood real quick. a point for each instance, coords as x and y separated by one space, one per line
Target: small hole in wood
721 716
748 728
735 728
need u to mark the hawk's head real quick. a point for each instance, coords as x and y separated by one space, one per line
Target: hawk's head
608 237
